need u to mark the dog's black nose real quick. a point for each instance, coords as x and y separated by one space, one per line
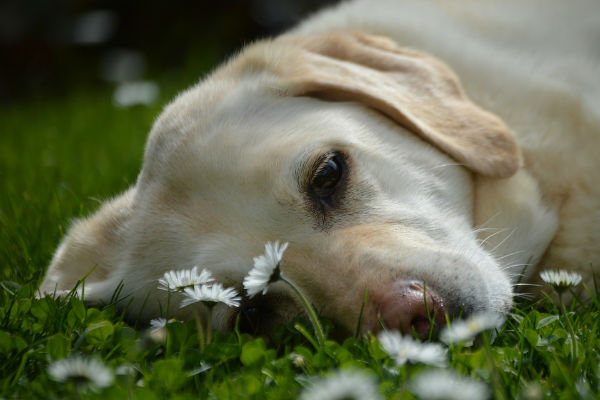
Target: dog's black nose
409 306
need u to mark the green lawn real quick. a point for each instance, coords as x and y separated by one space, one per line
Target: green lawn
59 158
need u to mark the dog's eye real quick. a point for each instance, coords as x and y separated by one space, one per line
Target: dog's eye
328 176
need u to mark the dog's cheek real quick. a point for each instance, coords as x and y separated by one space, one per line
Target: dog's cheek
336 269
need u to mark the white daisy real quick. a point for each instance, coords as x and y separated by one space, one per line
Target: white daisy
179 280
560 279
460 331
342 386
81 370
266 269
211 294
202 368
158 329
403 348
125 369
297 359
160 323
447 385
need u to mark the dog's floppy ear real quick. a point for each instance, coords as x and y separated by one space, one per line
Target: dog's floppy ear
416 90
93 248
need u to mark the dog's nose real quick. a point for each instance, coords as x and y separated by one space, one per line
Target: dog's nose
411 306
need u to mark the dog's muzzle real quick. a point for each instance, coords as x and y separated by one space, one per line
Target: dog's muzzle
410 307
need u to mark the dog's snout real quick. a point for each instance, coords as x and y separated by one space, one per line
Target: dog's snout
410 306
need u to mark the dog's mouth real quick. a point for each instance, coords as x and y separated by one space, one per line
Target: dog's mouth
265 315
407 307
257 316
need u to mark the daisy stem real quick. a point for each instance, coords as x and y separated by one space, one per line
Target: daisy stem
77 391
360 314
310 311
300 328
167 337
209 326
574 351
200 328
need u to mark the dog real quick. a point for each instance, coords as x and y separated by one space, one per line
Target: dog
418 151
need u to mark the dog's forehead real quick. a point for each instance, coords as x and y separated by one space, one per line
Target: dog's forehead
236 128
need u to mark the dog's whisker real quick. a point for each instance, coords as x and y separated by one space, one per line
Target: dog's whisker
510 255
518 290
478 230
487 221
503 240
513 277
509 267
482 242
526 284
518 265
524 296
525 264
447 165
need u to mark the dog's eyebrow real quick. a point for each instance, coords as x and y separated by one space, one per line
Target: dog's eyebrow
305 169
310 160
301 172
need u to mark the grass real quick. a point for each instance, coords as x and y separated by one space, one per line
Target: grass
60 158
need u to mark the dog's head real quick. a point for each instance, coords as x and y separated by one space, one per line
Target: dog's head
358 153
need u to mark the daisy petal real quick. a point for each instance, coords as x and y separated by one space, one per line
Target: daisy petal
560 279
82 370
179 280
210 294
403 348
266 269
460 331
343 385
447 385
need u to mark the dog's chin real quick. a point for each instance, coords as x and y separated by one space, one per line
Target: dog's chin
266 315
258 316
263 317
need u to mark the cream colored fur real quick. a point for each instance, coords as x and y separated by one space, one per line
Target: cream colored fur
225 163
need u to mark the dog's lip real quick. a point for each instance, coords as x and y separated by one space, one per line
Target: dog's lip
256 315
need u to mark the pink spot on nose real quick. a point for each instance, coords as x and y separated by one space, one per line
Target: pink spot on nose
407 306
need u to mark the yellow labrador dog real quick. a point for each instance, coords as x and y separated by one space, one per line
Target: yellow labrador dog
394 145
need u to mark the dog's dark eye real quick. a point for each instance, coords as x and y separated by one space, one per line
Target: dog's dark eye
327 177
